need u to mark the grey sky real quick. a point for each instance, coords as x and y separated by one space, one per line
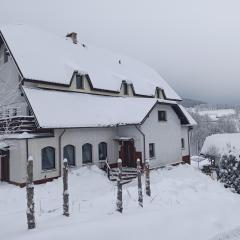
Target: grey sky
193 44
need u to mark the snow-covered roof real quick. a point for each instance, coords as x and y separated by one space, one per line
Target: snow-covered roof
191 121
57 109
46 57
221 143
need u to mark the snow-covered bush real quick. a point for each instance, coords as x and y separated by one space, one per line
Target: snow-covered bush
229 170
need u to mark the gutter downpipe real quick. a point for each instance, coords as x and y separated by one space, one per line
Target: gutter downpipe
189 147
144 142
60 151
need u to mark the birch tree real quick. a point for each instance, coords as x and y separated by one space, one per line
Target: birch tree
65 189
139 176
30 195
119 187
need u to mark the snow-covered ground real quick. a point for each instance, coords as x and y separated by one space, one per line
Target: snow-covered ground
216 114
185 204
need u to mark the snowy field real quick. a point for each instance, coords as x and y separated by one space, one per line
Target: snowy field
185 205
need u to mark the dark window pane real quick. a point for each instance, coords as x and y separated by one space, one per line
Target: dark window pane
79 81
162 116
87 153
183 143
48 158
125 88
6 55
69 154
102 151
151 150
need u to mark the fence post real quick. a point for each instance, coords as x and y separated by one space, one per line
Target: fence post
30 195
139 174
147 174
65 189
119 187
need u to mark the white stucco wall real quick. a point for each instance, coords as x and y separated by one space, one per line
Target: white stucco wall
17 160
78 137
10 95
165 135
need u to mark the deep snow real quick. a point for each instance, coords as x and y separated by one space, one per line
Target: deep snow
185 204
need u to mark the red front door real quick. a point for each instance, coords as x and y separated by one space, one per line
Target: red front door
127 153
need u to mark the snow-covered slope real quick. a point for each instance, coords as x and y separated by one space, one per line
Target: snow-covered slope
47 57
185 205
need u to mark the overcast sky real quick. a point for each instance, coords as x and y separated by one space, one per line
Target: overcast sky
193 44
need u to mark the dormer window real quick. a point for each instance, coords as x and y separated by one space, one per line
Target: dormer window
125 88
79 81
158 93
6 54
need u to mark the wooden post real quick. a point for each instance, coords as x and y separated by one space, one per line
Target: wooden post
147 173
140 194
119 187
65 189
30 195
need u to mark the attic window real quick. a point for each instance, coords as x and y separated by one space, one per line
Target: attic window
79 82
162 116
125 88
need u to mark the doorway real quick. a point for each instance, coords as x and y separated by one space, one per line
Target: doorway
5 166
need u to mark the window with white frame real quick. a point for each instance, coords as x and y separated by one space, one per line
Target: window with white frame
48 158
151 150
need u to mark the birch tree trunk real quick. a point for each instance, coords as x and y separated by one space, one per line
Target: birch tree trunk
65 189
30 195
147 173
140 194
119 187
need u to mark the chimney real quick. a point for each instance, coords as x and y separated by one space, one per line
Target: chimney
73 36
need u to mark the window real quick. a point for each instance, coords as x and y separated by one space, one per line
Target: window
14 112
69 154
162 116
6 54
48 158
87 153
182 143
125 88
151 150
79 82
102 151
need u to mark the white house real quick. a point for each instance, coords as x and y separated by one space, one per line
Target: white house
60 98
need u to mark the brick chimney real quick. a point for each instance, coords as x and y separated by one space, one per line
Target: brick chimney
73 36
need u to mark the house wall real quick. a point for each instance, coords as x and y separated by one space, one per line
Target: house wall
78 137
165 135
10 95
17 161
